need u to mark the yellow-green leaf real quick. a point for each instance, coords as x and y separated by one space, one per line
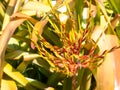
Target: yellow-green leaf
17 76
8 85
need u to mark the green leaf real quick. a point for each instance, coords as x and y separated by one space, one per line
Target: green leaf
79 77
22 66
42 66
85 79
17 76
115 5
97 17
55 78
5 37
2 13
18 54
103 10
79 5
67 85
21 38
118 31
42 63
51 37
68 25
37 84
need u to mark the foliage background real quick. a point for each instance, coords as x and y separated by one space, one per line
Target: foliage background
45 47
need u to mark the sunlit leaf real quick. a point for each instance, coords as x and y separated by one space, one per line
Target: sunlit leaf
106 42
72 36
8 85
17 76
8 32
13 41
49 88
35 8
16 20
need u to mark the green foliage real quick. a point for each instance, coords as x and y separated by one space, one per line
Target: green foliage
115 5
48 33
79 6
67 83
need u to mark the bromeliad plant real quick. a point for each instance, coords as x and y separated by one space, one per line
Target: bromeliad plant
68 45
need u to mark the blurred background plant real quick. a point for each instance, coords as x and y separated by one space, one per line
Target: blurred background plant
59 45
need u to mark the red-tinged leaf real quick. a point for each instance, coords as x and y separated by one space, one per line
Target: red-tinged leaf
32 45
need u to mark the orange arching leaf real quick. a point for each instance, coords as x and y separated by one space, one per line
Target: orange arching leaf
37 30
106 41
110 65
115 20
16 20
7 33
18 15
